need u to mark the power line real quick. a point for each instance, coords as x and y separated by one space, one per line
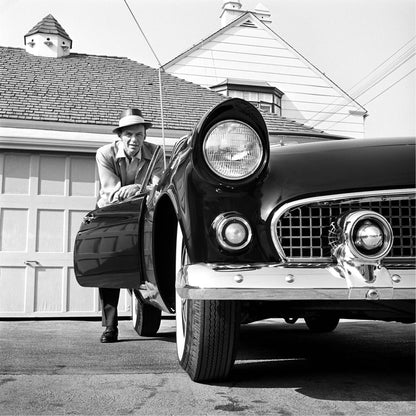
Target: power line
145 38
380 65
369 74
375 82
160 83
378 95
390 86
368 88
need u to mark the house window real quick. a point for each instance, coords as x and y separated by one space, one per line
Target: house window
261 94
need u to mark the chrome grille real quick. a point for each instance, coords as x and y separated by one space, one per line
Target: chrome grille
303 231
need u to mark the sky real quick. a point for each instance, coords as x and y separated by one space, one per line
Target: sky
345 39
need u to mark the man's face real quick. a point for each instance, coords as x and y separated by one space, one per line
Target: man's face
133 138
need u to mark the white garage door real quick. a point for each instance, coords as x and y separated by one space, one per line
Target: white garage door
43 197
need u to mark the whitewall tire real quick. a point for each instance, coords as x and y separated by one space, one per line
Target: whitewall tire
206 331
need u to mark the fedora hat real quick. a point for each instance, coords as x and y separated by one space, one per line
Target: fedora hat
131 117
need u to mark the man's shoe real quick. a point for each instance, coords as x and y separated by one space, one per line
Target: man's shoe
109 335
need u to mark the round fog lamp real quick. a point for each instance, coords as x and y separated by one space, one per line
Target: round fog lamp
369 236
232 231
235 233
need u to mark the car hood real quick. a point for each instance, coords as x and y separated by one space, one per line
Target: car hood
325 168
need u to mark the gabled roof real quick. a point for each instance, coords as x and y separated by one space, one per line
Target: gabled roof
48 25
93 90
250 20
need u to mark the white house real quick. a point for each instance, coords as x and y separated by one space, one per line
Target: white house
247 58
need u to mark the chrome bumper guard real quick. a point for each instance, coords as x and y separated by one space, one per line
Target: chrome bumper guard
285 282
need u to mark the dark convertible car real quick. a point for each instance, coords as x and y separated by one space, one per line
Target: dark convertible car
239 230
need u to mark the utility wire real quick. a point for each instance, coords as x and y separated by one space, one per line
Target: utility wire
375 82
380 65
390 86
160 82
378 95
332 103
360 81
144 36
367 89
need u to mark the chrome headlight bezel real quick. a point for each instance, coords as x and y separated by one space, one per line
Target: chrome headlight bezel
354 221
256 154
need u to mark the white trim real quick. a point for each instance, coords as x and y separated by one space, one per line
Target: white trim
70 141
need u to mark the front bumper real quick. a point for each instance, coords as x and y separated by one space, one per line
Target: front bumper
285 282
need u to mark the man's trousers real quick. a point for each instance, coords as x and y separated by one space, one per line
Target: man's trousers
109 301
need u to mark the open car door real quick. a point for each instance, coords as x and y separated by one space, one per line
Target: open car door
108 246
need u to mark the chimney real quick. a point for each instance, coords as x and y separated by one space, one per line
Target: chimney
231 10
48 39
263 14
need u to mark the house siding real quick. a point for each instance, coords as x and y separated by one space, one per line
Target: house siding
258 54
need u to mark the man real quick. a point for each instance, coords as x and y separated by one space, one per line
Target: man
122 167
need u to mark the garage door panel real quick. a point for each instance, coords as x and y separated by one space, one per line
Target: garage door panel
16 173
48 289
50 229
82 177
74 222
124 304
52 175
13 229
12 293
80 299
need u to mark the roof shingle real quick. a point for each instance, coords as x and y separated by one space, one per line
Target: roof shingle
92 89
48 25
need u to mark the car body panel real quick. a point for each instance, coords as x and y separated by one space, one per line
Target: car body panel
355 165
294 172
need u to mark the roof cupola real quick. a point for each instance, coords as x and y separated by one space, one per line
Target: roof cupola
263 13
48 38
231 10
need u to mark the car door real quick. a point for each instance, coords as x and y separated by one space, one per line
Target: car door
108 246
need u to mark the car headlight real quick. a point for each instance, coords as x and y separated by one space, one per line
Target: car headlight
233 150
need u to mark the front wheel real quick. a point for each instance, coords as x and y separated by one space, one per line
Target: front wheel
146 318
206 331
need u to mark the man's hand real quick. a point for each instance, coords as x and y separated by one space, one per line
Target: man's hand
127 192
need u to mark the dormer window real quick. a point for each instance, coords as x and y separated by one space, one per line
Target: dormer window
261 94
